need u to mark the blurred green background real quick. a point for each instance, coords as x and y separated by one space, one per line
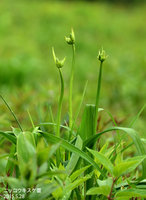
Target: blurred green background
29 78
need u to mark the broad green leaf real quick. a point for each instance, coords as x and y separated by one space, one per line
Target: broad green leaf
121 198
9 136
53 139
103 160
133 192
86 129
25 147
127 165
107 181
74 158
77 173
105 190
26 154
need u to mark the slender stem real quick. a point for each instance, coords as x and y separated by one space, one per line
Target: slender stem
12 112
110 194
59 113
97 96
31 119
71 87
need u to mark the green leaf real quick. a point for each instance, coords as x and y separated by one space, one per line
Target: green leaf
104 190
93 138
74 158
86 129
10 163
127 165
46 190
77 182
9 136
14 182
132 193
143 140
103 160
72 148
107 181
72 186
78 173
137 116
25 146
132 133
26 153
138 143
16 131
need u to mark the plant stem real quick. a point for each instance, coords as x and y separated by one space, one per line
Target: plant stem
59 114
98 96
12 112
110 194
71 87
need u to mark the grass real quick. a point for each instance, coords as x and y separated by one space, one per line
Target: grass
75 139
26 42
76 166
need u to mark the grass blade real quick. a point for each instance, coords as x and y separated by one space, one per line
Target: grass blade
9 136
81 102
137 116
12 112
72 148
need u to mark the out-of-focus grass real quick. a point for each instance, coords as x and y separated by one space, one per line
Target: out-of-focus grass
28 30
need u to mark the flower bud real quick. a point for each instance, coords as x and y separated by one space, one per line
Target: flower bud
59 63
102 56
71 39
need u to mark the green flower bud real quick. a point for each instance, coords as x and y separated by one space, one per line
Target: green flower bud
102 56
59 63
71 39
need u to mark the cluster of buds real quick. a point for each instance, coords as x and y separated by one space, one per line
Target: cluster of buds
71 39
59 63
102 56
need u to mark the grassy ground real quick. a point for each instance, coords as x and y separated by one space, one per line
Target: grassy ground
28 77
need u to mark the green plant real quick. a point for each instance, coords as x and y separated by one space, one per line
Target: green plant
71 41
68 162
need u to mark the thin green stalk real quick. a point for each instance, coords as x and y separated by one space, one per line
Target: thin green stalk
98 96
31 119
79 108
71 87
52 117
12 112
101 57
59 114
